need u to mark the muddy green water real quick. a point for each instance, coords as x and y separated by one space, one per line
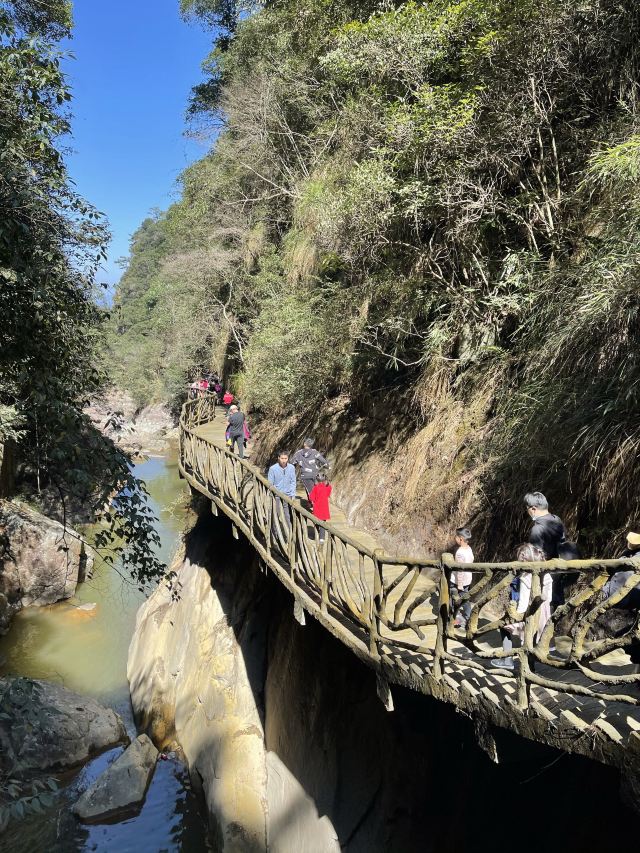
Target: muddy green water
87 652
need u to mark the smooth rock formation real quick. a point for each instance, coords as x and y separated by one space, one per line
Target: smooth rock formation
146 430
123 785
52 728
41 561
191 678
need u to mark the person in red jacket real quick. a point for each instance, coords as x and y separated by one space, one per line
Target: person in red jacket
319 497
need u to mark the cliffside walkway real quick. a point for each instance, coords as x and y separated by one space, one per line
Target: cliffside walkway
395 614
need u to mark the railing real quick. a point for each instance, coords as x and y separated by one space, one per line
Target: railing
397 612
202 409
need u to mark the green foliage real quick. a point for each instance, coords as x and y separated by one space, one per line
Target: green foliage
21 795
450 189
51 245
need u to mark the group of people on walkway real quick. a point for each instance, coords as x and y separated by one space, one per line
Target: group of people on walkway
547 538
210 383
547 541
307 463
312 467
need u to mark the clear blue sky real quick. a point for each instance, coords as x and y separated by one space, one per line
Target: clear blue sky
135 63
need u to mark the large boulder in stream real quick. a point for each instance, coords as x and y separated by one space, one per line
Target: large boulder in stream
44 726
122 787
41 561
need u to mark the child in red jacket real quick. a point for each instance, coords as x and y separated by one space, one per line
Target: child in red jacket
319 497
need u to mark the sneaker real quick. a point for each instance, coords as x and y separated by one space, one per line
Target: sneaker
503 663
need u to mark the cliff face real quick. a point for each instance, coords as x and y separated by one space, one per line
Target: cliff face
296 752
192 667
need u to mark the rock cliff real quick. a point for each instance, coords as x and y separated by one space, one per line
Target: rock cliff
296 752
41 561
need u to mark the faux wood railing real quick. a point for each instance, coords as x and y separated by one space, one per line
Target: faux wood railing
395 612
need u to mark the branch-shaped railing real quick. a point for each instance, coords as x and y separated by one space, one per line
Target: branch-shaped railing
397 611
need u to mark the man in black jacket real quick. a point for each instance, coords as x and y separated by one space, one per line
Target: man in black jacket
547 531
309 462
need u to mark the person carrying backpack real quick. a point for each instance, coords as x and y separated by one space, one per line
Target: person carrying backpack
309 462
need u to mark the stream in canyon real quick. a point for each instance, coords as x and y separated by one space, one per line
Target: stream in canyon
86 651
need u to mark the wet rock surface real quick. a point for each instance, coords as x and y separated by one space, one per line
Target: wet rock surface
121 789
46 727
41 561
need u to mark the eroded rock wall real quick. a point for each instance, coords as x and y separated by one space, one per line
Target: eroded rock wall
195 670
297 753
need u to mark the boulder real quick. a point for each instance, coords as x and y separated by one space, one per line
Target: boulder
41 561
123 785
44 726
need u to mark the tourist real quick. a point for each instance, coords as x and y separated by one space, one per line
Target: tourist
461 580
619 579
282 475
235 430
547 530
319 497
520 594
309 462
227 399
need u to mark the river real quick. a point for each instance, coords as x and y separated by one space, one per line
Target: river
87 652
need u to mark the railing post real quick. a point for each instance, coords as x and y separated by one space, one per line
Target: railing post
292 540
375 636
443 621
532 621
326 571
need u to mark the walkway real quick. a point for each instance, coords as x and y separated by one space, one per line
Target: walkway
394 613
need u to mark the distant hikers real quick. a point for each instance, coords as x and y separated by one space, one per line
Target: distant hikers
520 594
547 530
309 462
235 430
227 399
461 580
282 475
319 497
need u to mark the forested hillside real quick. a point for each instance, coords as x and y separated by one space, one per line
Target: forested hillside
428 208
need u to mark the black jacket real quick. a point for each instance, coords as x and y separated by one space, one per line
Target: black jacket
310 461
547 532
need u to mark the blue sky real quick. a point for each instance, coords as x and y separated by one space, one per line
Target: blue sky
135 63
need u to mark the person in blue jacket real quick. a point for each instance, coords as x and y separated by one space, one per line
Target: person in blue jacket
282 475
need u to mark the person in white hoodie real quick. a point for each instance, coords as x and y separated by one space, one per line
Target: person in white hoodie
461 580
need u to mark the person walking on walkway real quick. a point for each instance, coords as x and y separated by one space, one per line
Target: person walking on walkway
619 579
547 530
520 594
282 475
309 462
319 497
227 399
461 580
235 429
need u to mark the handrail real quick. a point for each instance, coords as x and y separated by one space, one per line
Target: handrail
397 612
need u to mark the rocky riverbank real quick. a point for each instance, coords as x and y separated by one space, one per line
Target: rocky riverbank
41 561
138 430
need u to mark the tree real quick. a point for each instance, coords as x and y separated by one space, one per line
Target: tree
51 245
